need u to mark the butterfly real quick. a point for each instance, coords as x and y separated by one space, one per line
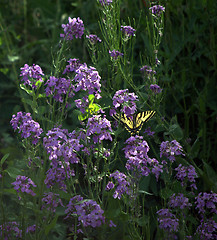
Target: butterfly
134 125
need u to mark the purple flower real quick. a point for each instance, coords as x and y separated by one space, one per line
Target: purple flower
128 30
105 2
51 201
31 229
122 186
155 88
136 153
75 28
31 74
11 231
170 150
167 220
207 230
88 211
109 186
58 174
59 143
74 64
115 54
24 184
59 88
88 79
157 10
149 132
185 174
148 71
99 128
27 127
62 148
206 202
93 38
179 201
124 102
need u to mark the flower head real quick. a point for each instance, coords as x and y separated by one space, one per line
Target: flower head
24 184
128 30
88 79
186 174
31 74
168 221
122 186
93 38
124 102
179 201
74 64
157 10
207 229
170 150
51 201
155 88
206 203
136 153
105 2
115 54
99 128
59 88
75 28
89 212
26 126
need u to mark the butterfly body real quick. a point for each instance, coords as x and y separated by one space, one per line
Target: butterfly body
134 125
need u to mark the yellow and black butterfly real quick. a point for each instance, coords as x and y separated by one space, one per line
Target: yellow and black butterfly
134 125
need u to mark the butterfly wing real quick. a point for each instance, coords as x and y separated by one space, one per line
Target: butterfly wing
140 118
127 121
133 126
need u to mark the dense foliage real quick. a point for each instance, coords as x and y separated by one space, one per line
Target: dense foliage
73 76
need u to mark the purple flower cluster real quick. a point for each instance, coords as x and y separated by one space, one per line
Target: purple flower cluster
185 174
75 28
93 38
115 54
124 102
136 151
155 88
99 128
27 126
11 231
167 220
51 201
105 2
207 230
157 10
31 74
148 71
88 211
24 184
59 88
206 202
74 64
170 150
59 144
122 186
128 30
179 201
88 79
149 132
61 147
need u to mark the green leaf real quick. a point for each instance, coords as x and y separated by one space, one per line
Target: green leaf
22 86
13 58
176 131
4 158
13 172
51 225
